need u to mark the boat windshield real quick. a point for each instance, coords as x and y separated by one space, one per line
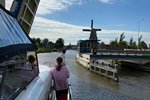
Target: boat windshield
16 73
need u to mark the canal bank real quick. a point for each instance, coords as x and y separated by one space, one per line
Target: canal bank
86 85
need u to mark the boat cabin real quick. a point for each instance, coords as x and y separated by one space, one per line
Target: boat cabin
87 46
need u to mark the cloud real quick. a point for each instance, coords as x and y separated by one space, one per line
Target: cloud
44 28
106 1
50 6
111 1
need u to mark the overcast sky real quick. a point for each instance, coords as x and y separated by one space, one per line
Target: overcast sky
66 19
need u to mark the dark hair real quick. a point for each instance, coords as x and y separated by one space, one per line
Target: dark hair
31 59
64 51
59 61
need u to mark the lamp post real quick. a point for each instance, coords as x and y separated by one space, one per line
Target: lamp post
139 31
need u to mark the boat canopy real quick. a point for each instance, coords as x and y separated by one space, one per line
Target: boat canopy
10 31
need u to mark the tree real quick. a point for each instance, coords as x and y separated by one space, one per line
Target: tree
38 43
122 44
143 45
139 40
45 43
114 44
132 44
59 44
51 45
122 36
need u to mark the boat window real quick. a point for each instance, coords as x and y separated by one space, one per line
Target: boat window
81 45
85 44
88 45
97 69
17 72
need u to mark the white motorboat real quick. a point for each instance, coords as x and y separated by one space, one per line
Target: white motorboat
21 76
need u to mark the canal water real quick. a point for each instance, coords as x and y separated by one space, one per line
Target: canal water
86 85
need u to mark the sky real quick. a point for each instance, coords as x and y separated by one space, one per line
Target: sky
66 19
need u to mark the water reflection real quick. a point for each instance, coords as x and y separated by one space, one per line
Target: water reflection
86 85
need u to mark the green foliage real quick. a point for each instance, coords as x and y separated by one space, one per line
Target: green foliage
143 45
114 44
121 44
59 44
44 43
132 44
47 46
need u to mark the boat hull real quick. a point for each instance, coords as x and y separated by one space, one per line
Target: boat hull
136 65
39 88
83 61
97 66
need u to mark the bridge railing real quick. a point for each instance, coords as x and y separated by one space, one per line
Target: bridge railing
116 56
122 54
144 52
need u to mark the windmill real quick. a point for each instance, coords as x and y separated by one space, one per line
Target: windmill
93 36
